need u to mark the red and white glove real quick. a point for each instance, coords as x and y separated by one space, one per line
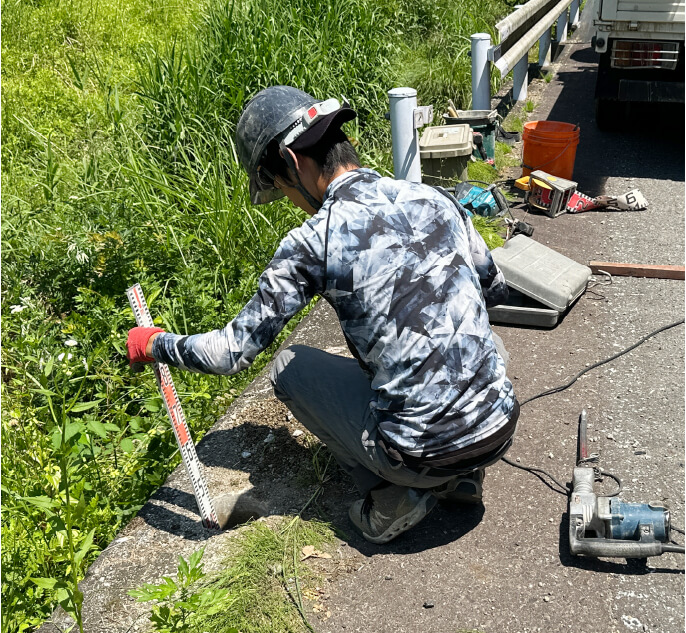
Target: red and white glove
137 343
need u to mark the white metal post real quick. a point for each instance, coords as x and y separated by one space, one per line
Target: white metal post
574 14
520 76
406 165
481 77
561 31
544 49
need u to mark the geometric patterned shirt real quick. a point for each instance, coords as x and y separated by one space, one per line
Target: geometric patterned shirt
409 278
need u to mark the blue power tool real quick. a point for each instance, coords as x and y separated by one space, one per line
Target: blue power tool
607 526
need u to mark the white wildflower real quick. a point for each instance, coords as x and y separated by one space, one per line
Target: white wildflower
71 343
61 357
16 308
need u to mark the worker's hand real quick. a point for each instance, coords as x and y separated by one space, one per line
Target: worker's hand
139 344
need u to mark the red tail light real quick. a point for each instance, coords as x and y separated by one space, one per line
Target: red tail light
632 54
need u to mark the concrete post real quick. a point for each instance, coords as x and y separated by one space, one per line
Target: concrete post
481 77
574 14
561 34
544 50
520 77
406 163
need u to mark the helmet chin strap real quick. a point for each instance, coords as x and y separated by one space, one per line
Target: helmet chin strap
309 198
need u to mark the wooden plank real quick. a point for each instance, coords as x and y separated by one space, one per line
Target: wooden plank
639 270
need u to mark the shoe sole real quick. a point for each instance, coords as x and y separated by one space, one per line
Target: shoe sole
455 497
406 522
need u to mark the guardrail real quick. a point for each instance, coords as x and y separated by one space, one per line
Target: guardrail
518 33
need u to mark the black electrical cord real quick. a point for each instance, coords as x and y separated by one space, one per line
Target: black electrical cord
620 485
536 471
549 392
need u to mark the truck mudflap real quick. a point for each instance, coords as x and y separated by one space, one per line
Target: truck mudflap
662 91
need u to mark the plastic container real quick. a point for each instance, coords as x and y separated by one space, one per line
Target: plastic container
483 121
549 146
444 151
543 283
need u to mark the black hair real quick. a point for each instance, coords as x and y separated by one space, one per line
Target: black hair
331 152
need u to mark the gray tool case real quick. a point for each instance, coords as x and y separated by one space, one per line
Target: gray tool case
543 283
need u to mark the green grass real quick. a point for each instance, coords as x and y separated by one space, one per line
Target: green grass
266 579
119 167
436 46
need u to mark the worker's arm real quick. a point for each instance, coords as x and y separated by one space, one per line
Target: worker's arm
492 280
493 284
288 284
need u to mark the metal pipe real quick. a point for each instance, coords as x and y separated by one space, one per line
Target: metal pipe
561 31
481 77
520 76
574 14
406 164
544 49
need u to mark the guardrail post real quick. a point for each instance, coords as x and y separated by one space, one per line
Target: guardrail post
406 164
544 49
561 31
574 14
520 77
481 76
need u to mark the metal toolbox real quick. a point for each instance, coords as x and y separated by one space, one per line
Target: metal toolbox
543 283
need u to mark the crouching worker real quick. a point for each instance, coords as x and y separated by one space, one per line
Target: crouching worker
425 404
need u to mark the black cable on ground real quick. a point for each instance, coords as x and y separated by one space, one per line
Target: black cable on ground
536 471
539 471
550 392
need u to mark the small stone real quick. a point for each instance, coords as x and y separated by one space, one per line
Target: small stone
518 460
428 605
551 456
246 454
639 452
389 577
297 433
546 598
610 436
270 438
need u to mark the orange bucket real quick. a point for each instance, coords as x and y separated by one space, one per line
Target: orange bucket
549 146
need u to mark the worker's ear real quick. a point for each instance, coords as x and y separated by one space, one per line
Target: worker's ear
292 159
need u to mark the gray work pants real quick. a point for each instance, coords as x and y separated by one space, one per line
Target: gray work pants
330 396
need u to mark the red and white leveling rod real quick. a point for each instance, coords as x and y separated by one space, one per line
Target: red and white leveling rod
178 419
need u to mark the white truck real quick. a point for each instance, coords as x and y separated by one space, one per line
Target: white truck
641 46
